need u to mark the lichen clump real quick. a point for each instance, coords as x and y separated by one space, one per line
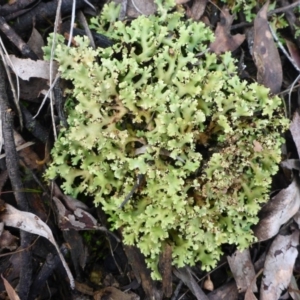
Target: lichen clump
159 107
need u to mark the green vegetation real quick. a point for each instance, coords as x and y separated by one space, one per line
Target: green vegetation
158 104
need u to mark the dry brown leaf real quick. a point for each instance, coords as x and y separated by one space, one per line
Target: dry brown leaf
291 164
265 53
28 68
226 291
278 211
8 241
36 42
31 223
165 269
294 289
294 52
224 40
27 156
279 265
197 9
84 288
185 274
77 219
144 7
10 290
249 295
295 131
242 269
181 1
113 293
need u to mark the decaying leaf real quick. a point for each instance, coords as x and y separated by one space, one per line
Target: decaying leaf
36 42
294 289
185 274
113 293
278 211
265 53
8 241
224 40
165 269
295 131
10 290
279 265
249 295
28 157
27 68
197 9
78 219
143 7
242 269
31 223
294 52
84 288
225 292
291 164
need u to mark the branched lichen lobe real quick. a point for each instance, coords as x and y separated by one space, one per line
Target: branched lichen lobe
158 104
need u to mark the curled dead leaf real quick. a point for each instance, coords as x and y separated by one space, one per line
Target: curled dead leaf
278 211
224 40
279 265
265 53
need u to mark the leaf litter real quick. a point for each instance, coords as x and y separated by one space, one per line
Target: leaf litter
276 217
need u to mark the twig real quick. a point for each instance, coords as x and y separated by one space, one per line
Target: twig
16 182
72 23
293 63
16 94
57 18
283 9
86 27
134 188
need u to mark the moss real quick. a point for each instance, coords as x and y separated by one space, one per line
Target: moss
158 104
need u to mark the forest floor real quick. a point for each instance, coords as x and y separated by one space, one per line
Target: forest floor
58 241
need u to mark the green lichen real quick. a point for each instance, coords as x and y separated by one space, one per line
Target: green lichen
158 104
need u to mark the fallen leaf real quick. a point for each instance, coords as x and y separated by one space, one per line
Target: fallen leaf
113 293
10 290
279 265
28 68
77 219
224 40
185 275
165 269
144 7
33 224
36 42
278 211
27 156
197 9
294 289
291 164
8 241
249 295
265 53
226 291
295 131
294 52
84 288
242 270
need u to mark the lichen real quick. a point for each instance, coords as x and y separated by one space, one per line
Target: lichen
159 107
